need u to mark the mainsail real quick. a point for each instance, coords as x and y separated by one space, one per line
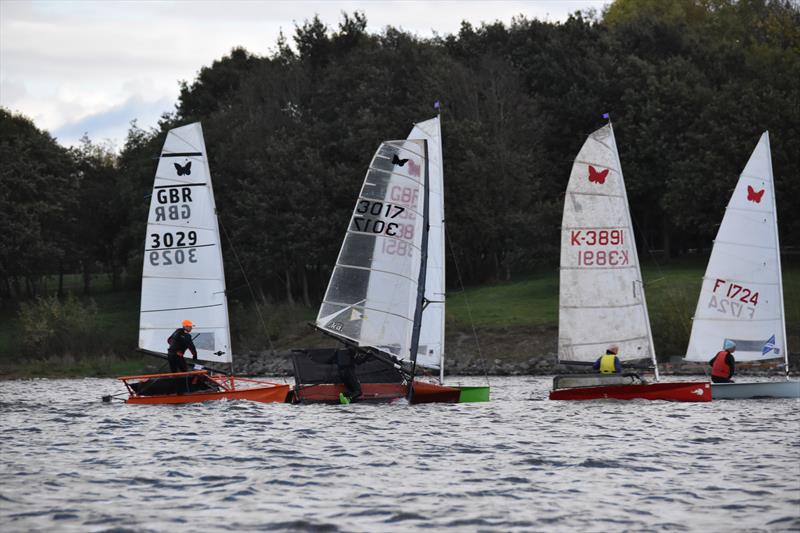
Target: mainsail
742 296
183 276
373 296
431 341
601 298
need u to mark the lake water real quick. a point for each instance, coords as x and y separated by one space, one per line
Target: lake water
520 462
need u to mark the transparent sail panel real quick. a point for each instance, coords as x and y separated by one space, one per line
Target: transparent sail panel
601 301
182 275
371 297
431 340
740 297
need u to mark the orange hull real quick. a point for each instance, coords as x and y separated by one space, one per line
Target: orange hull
254 391
378 393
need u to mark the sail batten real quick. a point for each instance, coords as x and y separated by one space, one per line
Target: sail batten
741 297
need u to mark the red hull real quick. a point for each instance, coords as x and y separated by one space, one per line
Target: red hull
683 391
254 390
379 393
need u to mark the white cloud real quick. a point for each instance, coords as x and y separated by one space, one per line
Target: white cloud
73 64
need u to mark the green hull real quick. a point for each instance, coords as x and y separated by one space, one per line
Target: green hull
473 394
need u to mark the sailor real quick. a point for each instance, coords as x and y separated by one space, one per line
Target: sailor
609 363
179 342
722 364
346 362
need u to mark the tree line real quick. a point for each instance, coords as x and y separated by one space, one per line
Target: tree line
689 84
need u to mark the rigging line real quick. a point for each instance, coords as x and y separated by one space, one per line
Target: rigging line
469 310
249 286
686 329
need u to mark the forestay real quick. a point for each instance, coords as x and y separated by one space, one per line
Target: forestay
601 298
431 340
183 276
372 296
741 298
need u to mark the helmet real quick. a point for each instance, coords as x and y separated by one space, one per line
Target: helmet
728 345
613 349
187 324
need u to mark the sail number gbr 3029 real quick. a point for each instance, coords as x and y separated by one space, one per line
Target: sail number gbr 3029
172 248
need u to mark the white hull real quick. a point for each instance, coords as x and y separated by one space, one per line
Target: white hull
764 389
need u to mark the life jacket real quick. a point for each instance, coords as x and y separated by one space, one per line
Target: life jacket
607 365
721 368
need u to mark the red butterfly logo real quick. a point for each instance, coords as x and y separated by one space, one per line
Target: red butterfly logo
413 168
754 196
596 176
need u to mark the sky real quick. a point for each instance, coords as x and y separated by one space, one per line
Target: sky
92 67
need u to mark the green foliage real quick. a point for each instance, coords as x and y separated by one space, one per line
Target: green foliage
50 326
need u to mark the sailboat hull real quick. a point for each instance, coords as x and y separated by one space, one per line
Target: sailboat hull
194 387
378 393
683 391
764 389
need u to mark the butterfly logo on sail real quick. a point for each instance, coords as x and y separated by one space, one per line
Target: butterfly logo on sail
184 170
597 176
397 161
754 196
769 346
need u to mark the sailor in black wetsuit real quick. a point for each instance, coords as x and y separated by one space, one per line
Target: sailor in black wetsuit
346 361
179 342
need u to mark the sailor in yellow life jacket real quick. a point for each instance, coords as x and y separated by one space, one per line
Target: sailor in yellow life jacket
609 363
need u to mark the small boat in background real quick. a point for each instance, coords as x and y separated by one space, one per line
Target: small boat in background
385 299
601 294
742 294
183 278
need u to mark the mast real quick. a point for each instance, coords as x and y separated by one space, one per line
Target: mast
442 255
635 255
778 258
423 267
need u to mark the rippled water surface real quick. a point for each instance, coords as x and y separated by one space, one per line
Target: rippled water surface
521 462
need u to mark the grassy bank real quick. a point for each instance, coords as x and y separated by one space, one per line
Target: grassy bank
513 320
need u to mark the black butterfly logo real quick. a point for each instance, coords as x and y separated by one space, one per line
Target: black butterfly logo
397 161
186 169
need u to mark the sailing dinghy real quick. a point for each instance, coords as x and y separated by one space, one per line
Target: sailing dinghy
601 295
385 299
183 278
742 294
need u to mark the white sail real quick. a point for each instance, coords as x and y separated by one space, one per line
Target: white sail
742 298
601 301
183 276
431 340
373 291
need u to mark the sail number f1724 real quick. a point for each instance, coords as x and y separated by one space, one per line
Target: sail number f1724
733 300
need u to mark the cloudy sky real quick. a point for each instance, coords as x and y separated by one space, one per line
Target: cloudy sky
78 67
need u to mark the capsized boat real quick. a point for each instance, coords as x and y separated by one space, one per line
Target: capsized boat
385 299
741 298
601 295
183 278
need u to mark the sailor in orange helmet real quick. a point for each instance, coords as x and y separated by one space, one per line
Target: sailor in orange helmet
179 342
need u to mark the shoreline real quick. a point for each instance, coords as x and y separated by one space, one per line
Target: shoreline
260 364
